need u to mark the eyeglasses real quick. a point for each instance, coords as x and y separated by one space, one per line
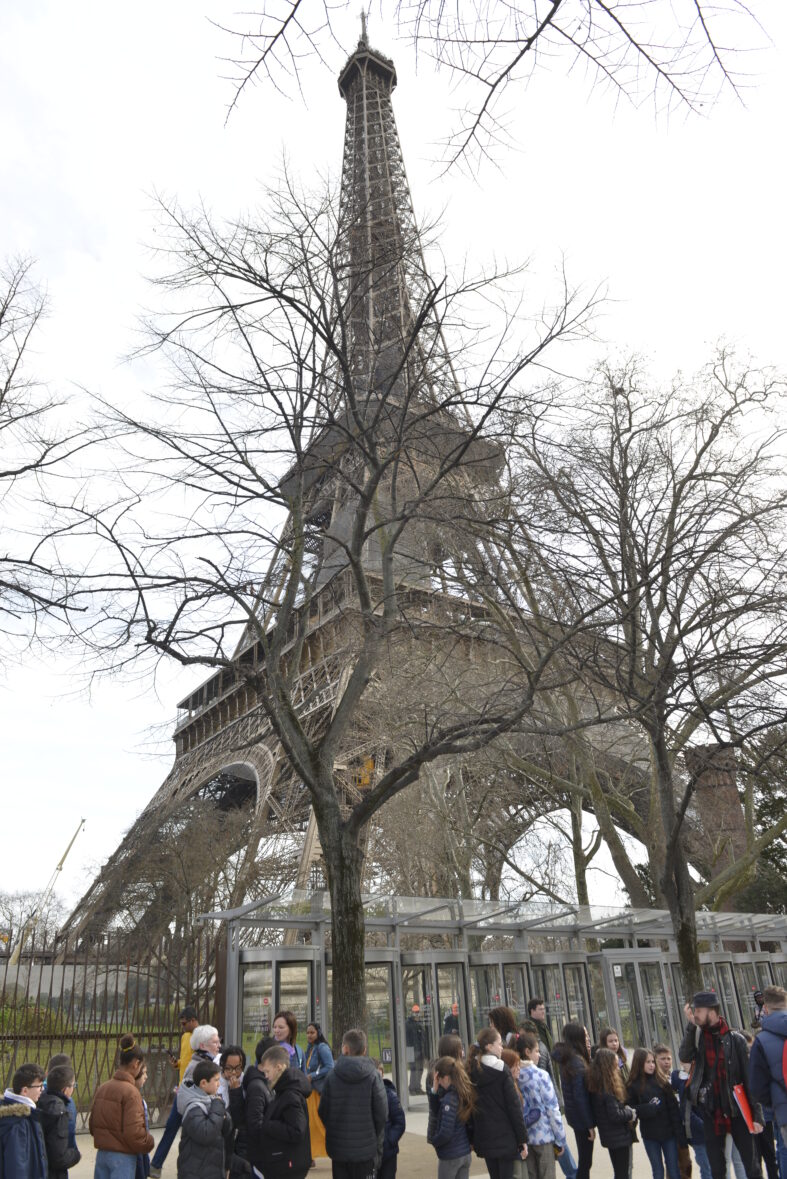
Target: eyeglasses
234 1069
37 1085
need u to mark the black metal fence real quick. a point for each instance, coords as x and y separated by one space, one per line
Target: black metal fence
80 998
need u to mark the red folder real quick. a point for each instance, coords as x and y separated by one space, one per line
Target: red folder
743 1105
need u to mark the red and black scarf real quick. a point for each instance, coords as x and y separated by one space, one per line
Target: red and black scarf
717 1069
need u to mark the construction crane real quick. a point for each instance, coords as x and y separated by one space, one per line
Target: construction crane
29 925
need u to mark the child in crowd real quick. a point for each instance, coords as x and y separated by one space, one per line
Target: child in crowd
613 1117
394 1128
609 1038
546 1134
650 1094
206 1127
499 1134
451 1105
143 1160
56 1061
53 1115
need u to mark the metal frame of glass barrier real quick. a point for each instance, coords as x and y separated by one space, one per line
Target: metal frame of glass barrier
484 960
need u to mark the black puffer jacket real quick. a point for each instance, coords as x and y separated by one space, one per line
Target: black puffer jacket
573 1070
498 1122
615 1120
283 1137
252 1095
657 1122
53 1116
205 1134
354 1109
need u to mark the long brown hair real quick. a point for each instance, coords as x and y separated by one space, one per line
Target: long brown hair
449 1066
484 1038
603 1075
638 1078
504 1019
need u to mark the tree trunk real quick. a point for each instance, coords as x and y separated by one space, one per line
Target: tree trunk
343 856
676 883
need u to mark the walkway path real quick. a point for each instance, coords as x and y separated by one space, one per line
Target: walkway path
417 1160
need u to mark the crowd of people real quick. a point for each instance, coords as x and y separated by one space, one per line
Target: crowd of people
508 1099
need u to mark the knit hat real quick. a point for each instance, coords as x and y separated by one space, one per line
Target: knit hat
705 999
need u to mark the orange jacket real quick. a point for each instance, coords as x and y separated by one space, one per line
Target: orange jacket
117 1119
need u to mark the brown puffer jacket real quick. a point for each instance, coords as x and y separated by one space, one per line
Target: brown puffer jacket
117 1119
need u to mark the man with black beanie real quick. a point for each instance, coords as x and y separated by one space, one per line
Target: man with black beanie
720 1063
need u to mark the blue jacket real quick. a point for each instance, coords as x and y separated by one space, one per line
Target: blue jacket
576 1099
22 1150
540 1098
447 1134
317 1063
765 1065
394 1123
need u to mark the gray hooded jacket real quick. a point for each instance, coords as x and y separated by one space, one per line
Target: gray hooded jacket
204 1135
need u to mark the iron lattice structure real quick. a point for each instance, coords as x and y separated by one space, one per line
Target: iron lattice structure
232 821
231 787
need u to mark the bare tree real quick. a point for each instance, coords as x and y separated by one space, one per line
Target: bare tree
679 56
317 422
33 449
23 910
671 506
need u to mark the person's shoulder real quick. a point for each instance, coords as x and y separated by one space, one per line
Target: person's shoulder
14 1112
51 1105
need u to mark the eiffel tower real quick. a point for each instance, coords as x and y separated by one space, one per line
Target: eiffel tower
231 796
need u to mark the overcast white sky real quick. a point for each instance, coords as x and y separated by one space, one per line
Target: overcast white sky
102 104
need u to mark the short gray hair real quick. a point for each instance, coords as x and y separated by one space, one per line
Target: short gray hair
201 1035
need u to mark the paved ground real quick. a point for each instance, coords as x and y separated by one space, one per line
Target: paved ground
417 1160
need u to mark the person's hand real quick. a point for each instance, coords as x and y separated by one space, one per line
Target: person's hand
757 1128
592 1134
523 1153
687 1011
173 1060
560 1150
234 1081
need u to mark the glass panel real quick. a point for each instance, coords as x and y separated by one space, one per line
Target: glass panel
418 1031
748 982
764 974
631 1031
577 996
256 1005
726 993
515 989
379 1006
484 994
780 970
599 998
294 994
656 1017
549 987
451 1013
